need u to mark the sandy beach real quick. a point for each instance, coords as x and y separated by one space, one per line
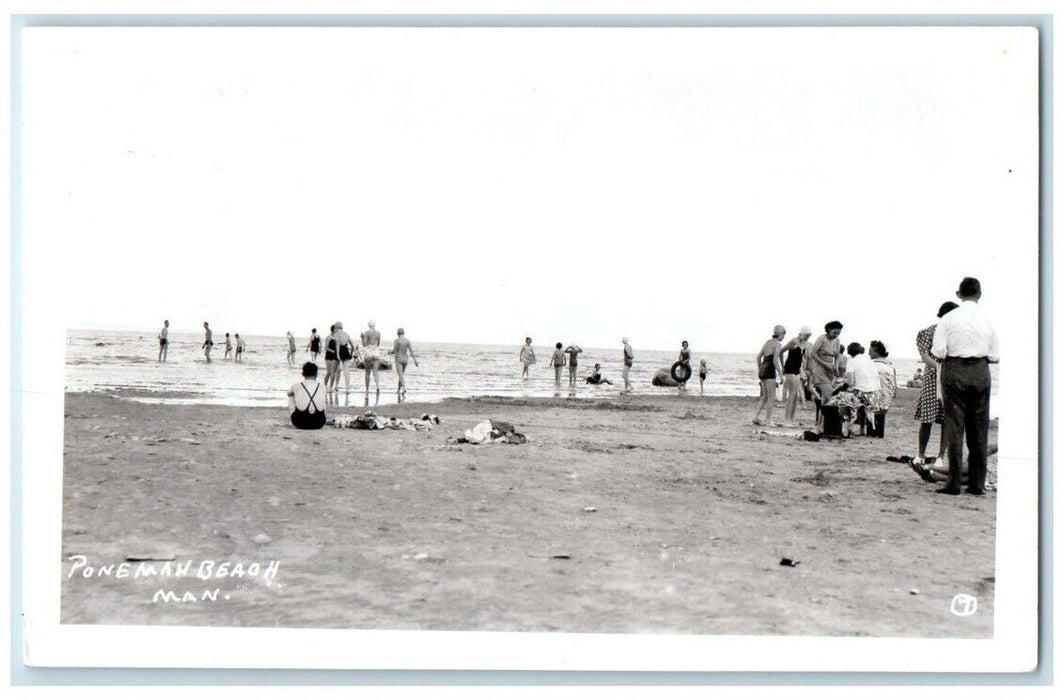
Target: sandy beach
650 514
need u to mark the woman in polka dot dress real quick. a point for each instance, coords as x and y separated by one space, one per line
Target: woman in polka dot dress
929 407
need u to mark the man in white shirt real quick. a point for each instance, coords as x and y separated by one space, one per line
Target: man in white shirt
966 343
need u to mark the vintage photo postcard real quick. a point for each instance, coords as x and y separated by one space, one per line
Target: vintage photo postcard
690 348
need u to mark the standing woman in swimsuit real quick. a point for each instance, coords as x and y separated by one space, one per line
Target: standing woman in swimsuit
332 361
164 341
239 348
314 347
685 358
228 347
794 368
291 349
371 354
345 352
769 368
207 342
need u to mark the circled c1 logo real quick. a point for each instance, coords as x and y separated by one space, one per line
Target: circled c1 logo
963 605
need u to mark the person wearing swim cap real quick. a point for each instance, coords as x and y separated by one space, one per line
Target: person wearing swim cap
370 351
769 368
795 368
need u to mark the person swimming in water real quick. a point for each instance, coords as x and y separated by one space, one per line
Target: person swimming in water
370 351
207 342
404 352
164 341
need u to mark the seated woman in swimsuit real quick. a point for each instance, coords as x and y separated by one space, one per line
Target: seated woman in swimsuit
306 400
596 376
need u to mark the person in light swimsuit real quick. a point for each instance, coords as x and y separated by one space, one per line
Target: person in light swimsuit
370 351
404 352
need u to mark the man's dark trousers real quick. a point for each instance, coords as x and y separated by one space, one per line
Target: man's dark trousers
966 406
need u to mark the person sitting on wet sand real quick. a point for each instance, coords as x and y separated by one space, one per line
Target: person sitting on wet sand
306 400
596 376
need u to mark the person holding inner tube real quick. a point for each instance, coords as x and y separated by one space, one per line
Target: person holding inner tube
769 367
681 369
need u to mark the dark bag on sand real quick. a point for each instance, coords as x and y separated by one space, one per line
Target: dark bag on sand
832 422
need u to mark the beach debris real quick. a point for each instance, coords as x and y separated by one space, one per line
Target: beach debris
572 475
794 434
274 501
421 556
491 431
914 591
786 561
262 538
431 418
560 556
590 509
144 556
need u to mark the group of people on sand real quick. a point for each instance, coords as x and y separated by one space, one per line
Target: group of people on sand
208 343
860 380
856 385
568 356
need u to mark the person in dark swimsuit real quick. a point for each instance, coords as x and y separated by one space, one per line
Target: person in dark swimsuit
332 362
794 370
164 341
596 376
685 358
306 400
207 342
703 372
769 367
314 346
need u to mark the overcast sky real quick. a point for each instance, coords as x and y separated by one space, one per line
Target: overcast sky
481 185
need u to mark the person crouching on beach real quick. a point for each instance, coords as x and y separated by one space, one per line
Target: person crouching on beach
557 361
306 400
528 357
769 368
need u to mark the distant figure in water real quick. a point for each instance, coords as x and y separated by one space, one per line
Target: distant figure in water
291 349
404 352
685 359
314 347
164 341
228 347
596 376
207 342
306 400
239 348
345 353
528 357
572 351
557 361
629 358
769 368
703 372
371 354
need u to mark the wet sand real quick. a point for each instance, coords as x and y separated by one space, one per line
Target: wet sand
653 514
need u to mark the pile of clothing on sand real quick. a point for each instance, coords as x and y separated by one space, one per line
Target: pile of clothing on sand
491 431
371 421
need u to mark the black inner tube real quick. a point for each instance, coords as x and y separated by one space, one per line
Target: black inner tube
681 371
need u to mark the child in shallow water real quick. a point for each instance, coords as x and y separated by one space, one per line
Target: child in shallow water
703 372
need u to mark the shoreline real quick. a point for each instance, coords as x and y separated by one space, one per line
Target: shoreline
692 509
